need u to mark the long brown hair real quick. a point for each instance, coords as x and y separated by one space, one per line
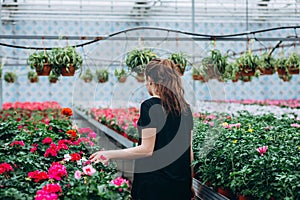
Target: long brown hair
168 85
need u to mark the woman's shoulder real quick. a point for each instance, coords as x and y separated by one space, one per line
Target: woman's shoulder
151 101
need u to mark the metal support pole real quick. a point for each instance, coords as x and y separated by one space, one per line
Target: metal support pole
193 46
1 91
1 100
247 15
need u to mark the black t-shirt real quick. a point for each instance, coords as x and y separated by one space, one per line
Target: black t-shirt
170 164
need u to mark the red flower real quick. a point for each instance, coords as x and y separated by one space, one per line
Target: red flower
67 112
47 140
52 188
72 133
75 156
38 176
52 150
21 143
33 148
5 167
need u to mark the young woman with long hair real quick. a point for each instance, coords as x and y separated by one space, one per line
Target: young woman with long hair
163 157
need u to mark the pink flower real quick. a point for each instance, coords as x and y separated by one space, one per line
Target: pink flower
119 181
33 148
135 120
211 116
44 195
92 135
85 130
209 123
295 125
88 170
262 150
57 171
77 174
268 128
237 125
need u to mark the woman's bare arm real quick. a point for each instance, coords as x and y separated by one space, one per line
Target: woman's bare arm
145 149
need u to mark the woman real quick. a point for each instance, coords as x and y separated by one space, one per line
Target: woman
164 154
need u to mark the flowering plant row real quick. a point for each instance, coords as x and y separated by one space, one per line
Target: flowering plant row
257 156
47 159
31 105
121 120
290 103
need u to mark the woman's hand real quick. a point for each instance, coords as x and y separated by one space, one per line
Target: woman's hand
100 156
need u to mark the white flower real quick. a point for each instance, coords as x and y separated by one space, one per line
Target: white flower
67 157
83 160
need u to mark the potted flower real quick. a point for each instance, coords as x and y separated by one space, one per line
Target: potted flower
248 64
215 63
180 60
200 73
66 60
281 65
137 60
53 78
87 76
232 72
10 77
41 62
266 64
286 77
32 76
102 75
293 63
121 74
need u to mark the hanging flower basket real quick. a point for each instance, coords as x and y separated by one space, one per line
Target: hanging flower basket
281 71
121 75
68 71
102 75
122 79
248 72
197 77
268 71
293 69
140 77
53 80
45 71
34 80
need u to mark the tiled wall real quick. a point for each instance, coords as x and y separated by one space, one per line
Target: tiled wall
110 53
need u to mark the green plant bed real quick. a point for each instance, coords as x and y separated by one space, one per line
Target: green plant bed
256 156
